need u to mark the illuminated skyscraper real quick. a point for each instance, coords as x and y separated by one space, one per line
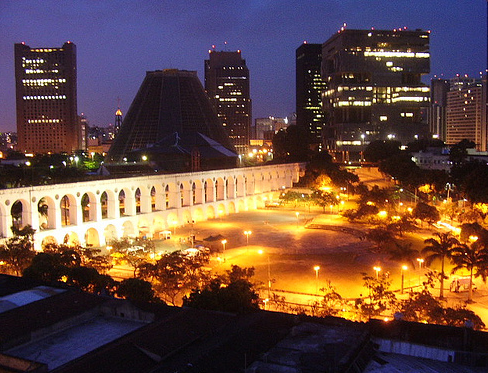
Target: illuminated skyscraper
309 87
373 86
45 80
438 102
227 85
466 112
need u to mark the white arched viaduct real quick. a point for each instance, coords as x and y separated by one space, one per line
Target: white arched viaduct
93 212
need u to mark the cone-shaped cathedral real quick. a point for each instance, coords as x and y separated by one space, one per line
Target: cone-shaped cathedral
170 116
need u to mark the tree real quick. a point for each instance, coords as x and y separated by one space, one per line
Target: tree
425 212
137 290
133 251
381 297
324 199
176 273
403 252
439 249
474 258
18 252
381 237
232 292
378 150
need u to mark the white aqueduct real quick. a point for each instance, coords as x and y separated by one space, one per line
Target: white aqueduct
94 212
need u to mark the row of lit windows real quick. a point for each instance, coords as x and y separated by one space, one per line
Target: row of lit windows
39 71
43 121
57 97
42 82
397 54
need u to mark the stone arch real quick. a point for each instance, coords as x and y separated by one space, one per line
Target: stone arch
259 202
172 221
220 189
185 193
153 195
71 239
19 213
231 207
110 234
68 210
143 228
92 238
124 199
88 203
198 215
159 196
48 241
209 191
158 225
210 212
137 199
128 229
241 206
240 186
231 187
46 210
186 216
104 205
221 210
197 191
170 196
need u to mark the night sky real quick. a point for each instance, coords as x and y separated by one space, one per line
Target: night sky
118 41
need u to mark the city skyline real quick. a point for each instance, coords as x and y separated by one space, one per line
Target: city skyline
119 41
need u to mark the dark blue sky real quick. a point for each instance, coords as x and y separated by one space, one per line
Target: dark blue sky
118 41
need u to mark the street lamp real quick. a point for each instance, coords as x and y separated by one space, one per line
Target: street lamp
297 215
377 270
421 261
223 242
261 252
316 268
247 233
404 268
174 222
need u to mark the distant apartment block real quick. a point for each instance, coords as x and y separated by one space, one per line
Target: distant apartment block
309 88
466 112
227 85
46 98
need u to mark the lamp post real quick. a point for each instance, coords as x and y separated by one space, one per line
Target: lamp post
404 268
316 268
247 233
261 252
223 242
377 270
297 215
174 227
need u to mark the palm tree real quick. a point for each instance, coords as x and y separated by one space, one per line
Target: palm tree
474 258
439 248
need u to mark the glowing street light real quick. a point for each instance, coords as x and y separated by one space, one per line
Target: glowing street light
247 233
421 261
377 270
174 222
316 268
297 214
223 242
404 268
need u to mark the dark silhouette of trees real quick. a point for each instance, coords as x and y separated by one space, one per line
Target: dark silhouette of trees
18 252
137 290
232 292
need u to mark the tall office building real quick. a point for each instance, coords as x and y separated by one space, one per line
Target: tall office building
45 81
438 103
373 86
227 85
466 112
309 87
